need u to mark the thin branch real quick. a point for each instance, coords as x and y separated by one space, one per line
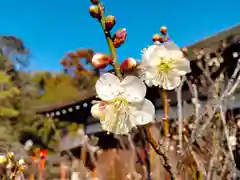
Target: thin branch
180 116
226 132
157 149
196 108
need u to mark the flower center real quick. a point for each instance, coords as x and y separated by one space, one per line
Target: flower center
119 102
164 66
118 115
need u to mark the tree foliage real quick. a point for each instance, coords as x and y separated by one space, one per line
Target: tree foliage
7 92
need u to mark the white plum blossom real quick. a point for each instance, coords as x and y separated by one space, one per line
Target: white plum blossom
3 159
123 104
233 141
163 65
21 162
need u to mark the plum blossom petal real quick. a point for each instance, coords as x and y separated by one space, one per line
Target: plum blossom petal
134 89
181 67
107 87
173 50
170 81
145 114
153 53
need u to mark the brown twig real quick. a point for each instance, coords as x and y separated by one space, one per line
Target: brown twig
166 109
157 149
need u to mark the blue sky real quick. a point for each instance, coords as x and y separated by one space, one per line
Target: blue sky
51 28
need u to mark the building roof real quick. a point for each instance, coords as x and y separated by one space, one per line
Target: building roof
83 95
211 43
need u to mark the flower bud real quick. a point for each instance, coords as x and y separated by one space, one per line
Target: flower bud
128 64
98 110
185 51
158 38
110 22
94 1
119 37
101 61
63 62
95 11
10 155
72 54
21 162
21 169
163 30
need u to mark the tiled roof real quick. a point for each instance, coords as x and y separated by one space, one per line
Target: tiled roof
212 43
83 95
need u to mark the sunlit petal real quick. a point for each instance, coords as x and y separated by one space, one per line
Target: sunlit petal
107 86
134 89
98 111
173 50
181 67
171 81
145 114
153 54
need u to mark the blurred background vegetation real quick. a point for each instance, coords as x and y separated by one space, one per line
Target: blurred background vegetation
22 94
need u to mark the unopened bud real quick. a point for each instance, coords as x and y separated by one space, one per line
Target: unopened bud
10 155
119 37
163 30
94 1
72 54
21 169
158 38
128 64
101 61
95 11
63 62
98 110
110 22
185 51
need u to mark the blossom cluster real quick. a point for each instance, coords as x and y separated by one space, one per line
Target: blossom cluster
11 168
123 105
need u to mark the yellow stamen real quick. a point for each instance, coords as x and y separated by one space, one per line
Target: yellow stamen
119 103
165 66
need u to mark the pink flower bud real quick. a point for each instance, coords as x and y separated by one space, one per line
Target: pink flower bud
163 30
101 60
94 1
158 38
98 110
110 22
95 11
128 64
119 37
